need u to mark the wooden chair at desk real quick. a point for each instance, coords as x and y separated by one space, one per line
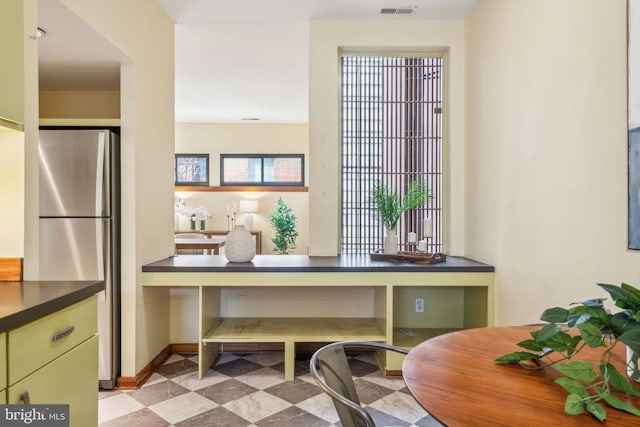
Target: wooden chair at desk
330 368
190 236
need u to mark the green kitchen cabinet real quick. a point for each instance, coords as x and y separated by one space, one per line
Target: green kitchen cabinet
35 344
54 360
70 379
3 364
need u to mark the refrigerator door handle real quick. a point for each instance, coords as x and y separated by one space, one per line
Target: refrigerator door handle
104 253
101 241
100 170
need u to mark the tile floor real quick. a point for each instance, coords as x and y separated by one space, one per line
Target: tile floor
248 390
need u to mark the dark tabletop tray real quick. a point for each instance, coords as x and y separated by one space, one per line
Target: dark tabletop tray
413 257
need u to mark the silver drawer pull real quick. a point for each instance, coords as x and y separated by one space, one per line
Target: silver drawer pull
59 335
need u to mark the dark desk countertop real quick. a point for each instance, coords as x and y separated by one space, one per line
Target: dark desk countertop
303 263
24 302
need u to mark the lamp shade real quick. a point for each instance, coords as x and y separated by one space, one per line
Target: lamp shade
249 205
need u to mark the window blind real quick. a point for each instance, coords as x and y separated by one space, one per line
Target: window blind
391 133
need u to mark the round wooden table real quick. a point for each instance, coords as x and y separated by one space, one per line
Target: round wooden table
455 378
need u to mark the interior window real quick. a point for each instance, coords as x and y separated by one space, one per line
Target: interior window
262 169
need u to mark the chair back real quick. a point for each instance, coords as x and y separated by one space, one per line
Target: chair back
330 368
190 236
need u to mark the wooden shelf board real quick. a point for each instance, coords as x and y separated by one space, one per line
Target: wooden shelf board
305 329
107 122
277 188
410 337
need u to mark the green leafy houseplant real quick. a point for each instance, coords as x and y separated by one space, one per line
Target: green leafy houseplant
590 325
388 202
284 222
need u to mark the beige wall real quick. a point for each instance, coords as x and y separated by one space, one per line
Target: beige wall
12 194
546 181
12 34
325 39
80 104
17 20
147 126
30 165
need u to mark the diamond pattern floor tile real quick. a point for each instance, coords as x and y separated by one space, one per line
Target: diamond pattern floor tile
227 391
217 417
248 390
182 407
158 392
117 405
256 406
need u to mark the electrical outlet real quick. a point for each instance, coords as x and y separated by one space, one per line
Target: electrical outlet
419 305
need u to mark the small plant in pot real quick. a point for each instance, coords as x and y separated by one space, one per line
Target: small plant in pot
284 223
390 208
590 324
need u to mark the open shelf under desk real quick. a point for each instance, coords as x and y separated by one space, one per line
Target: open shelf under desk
287 330
411 337
299 329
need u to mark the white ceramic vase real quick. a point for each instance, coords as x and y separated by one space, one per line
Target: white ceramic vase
391 242
239 245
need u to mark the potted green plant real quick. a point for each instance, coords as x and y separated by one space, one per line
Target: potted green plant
390 208
284 223
588 323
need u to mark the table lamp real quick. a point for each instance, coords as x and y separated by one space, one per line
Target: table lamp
249 207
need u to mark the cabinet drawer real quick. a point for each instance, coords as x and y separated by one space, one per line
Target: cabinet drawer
37 343
70 379
3 397
3 362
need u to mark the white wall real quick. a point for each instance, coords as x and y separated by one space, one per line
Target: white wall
325 39
546 181
147 141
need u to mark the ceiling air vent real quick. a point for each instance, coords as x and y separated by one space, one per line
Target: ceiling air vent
396 11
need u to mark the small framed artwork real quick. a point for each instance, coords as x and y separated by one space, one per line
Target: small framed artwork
192 169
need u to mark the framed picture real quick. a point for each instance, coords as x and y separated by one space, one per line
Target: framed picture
633 96
192 169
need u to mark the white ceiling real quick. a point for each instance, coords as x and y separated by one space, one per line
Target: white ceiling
233 60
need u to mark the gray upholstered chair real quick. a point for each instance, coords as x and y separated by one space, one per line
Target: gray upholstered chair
330 368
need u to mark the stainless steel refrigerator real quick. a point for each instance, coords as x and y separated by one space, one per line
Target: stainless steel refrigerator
79 226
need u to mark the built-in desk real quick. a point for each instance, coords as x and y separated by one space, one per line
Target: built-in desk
458 294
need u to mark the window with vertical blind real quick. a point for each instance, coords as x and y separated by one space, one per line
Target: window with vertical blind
391 133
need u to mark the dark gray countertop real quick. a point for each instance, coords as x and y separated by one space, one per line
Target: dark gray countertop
24 302
303 263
